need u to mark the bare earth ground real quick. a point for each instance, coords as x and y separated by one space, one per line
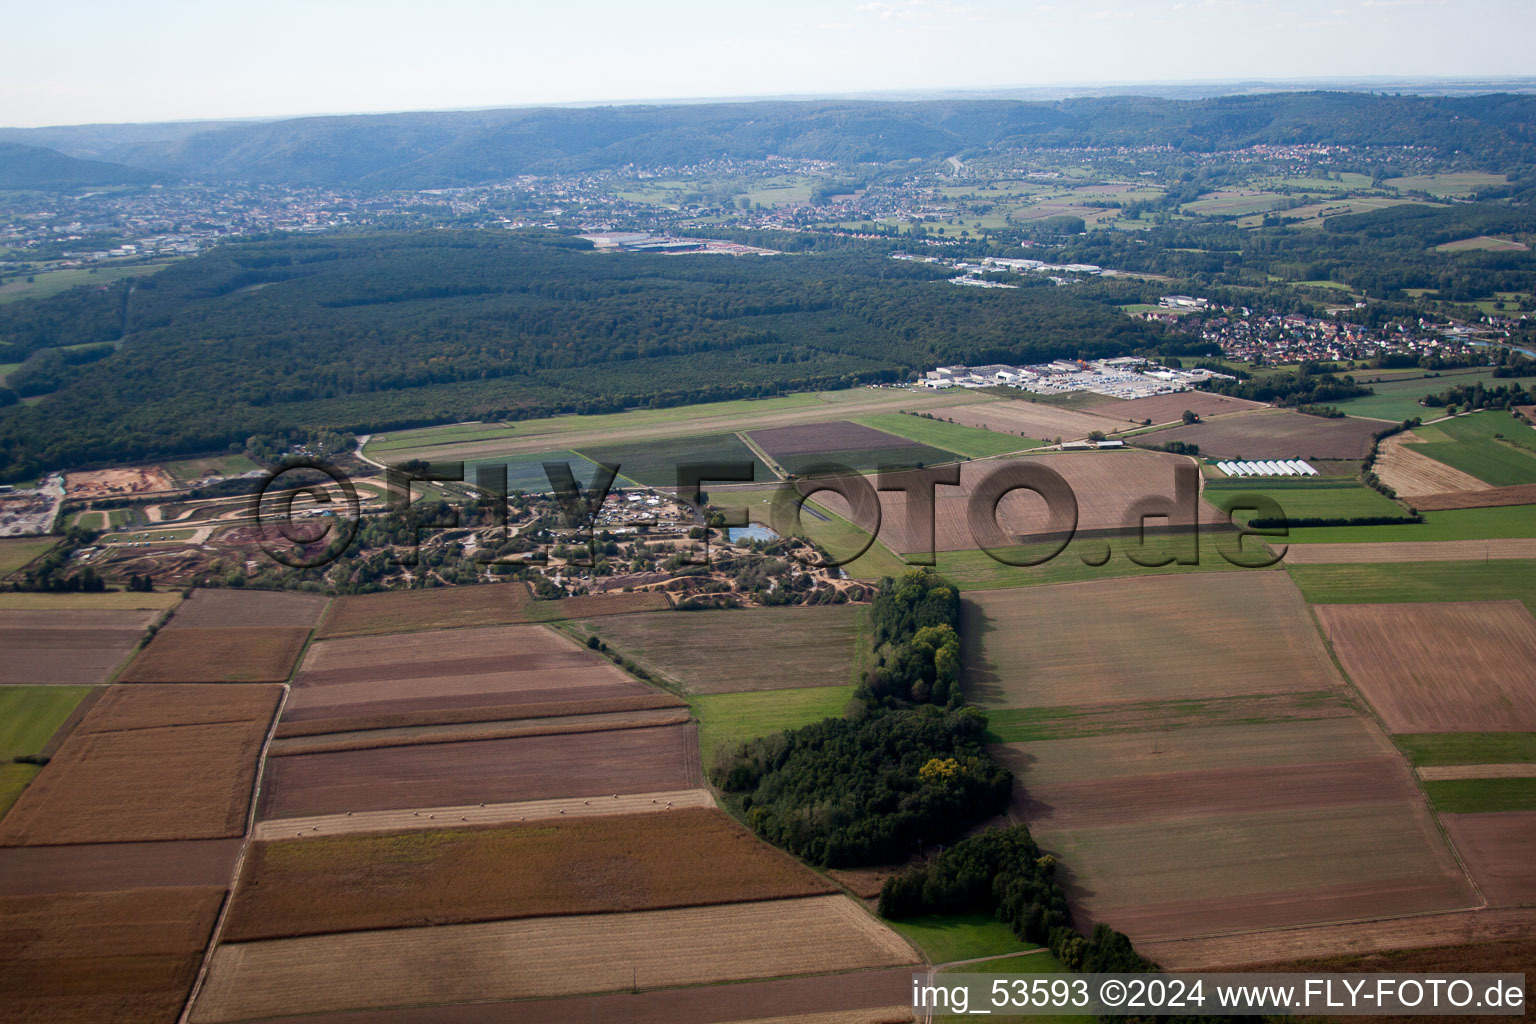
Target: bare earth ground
1106 485
32 870
544 957
103 957
858 997
1167 408
395 611
1028 419
1497 849
493 771
1157 637
1291 823
112 483
1487 497
304 726
562 809
245 654
1396 932
1410 551
595 865
1412 473
1445 667
450 669
206 608
1277 434
119 778
1431 772
365 739
67 645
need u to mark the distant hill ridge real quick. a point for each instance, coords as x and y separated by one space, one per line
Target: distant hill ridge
33 167
424 150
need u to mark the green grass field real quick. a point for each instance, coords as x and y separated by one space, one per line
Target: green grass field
976 570
1492 446
654 463
16 552
1477 796
526 472
1460 524
1399 399
1397 582
1434 748
1024 966
1332 497
972 442
46 284
189 471
730 718
949 937
29 716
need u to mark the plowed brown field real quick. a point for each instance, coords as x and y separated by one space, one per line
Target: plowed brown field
256 654
301 726
1488 497
1167 408
598 865
490 771
108 867
1276 434
1445 667
1030 419
544 957
66 645
398 611
223 608
1497 849
1411 473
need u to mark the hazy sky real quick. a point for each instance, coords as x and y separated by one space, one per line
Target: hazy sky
97 61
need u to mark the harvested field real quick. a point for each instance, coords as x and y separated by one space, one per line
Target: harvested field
797 448
418 735
111 867
544 957
1168 408
291 728
68 645
451 670
1440 772
399 611
1428 934
1030 419
744 649
118 779
237 654
1148 638
103 957
115 483
600 865
1016 725
471 815
1275 434
1106 486
584 606
1412 473
1411 551
111 600
1444 667
247 608
493 771
1497 851
836 998
1488 497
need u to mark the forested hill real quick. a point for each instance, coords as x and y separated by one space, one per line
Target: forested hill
33 167
384 330
417 150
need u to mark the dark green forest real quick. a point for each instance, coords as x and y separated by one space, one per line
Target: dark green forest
380 331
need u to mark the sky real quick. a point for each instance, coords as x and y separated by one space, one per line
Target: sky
91 61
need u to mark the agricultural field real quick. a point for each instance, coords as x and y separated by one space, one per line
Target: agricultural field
1487 497
29 718
1500 794
188 472
1398 399
1170 408
149 764
234 654
219 608
1483 243
110 957
1444 667
1275 434
112 867
944 939
1309 498
70 645
1436 749
398 611
16 552
600 865
1451 183
726 719
473 674
526 472
47 284
1497 849
797 449
739 649
1148 638
654 463
1498 450
1028 419
971 442
588 764
1472 524
1234 203
545 957
1389 580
